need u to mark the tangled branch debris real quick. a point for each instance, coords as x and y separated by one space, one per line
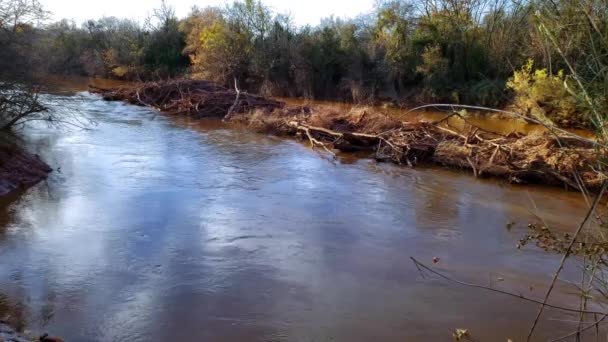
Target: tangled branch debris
538 158
196 98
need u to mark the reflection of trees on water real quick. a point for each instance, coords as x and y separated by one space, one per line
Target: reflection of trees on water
13 311
6 212
20 311
21 308
435 205
29 303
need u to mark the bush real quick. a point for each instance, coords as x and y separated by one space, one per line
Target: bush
488 93
434 67
546 97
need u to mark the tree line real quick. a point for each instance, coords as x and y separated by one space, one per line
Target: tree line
548 58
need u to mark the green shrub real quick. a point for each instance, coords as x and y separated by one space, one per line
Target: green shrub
434 67
487 93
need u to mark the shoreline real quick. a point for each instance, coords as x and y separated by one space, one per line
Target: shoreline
20 169
543 159
546 158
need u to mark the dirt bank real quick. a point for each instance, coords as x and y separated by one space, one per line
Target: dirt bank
538 158
19 169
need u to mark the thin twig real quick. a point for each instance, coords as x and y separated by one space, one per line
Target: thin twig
565 257
578 331
423 266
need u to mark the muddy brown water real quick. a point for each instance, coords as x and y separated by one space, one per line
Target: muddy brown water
492 122
161 229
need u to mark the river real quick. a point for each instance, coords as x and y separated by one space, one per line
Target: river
161 229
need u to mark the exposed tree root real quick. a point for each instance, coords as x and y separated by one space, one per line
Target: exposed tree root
539 158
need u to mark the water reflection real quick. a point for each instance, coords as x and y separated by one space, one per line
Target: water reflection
159 229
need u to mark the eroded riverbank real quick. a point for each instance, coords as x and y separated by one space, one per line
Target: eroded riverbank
19 169
175 229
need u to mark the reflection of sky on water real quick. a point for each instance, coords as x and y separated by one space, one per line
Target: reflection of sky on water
159 230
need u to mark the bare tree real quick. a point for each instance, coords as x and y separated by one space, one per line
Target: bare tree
19 88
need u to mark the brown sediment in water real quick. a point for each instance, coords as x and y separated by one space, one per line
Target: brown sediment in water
19 169
535 158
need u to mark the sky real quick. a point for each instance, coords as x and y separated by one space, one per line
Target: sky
303 12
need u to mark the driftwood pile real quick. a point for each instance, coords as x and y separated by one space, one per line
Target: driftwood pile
196 98
538 158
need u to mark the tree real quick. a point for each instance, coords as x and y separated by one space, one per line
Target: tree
163 52
19 88
193 26
224 52
393 36
235 43
575 35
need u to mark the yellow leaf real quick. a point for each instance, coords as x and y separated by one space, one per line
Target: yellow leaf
460 334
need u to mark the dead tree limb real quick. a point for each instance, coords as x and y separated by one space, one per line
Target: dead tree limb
236 100
550 128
